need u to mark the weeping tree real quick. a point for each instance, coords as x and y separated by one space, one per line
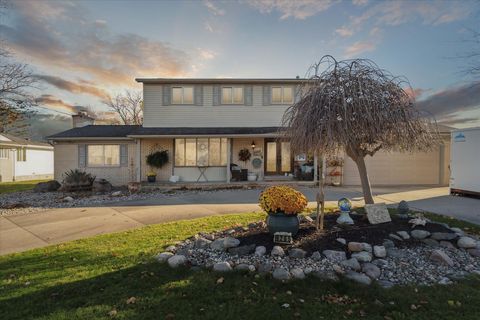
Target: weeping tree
355 106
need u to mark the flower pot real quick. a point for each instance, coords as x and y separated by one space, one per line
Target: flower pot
151 178
280 222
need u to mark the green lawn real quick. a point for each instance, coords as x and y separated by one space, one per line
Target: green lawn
96 278
7 187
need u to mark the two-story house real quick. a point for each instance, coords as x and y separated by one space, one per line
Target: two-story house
203 124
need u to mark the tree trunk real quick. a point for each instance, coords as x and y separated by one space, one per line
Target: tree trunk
320 200
362 171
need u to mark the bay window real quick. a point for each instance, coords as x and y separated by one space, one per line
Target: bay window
200 152
103 155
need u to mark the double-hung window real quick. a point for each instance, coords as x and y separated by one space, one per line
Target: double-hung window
201 152
103 155
21 154
282 95
232 95
182 95
4 153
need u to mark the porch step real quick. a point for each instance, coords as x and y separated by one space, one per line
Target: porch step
278 178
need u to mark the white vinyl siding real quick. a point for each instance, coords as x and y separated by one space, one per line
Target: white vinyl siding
257 115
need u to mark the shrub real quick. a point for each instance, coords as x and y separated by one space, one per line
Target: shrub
283 199
157 159
75 180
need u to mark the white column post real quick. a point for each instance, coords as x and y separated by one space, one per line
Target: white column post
139 160
229 151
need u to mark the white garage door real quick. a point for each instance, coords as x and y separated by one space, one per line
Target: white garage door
396 168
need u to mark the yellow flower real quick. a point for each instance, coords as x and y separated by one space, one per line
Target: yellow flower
282 199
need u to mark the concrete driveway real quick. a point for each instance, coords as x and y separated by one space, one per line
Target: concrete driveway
23 232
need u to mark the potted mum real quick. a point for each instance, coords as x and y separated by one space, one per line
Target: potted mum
282 204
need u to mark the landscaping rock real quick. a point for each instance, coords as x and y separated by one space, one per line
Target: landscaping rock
474 252
404 235
441 257
316 255
217 244
325 275
466 243
367 247
444 236
265 267
431 242
385 284
342 241
387 243
242 267
242 250
358 277
297 273
68 199
230 242
117 194
277 251
395 237
355 246
381 263
379 251
222 267
281 274
419 234
102 186
297 253
48 186
164 256
395 253
335 256
171 249
260 251
447 245
458 231
362 256
371 270
351 263
177 260
201 243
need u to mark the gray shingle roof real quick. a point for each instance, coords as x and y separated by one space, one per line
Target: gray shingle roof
96 131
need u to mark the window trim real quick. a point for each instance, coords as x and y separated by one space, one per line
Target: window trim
282 95
87 164
196 152
183 96
233 89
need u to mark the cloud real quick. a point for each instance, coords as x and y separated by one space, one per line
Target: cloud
344 31
83 87
54 103
359 48
206 54
44 125
213 8
415 93
208 26
448 103
60 35
359 2
298 9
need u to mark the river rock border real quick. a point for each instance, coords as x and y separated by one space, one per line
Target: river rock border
441 258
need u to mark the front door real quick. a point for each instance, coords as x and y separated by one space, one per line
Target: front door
278 158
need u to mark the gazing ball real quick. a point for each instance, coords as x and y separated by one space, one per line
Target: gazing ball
344 204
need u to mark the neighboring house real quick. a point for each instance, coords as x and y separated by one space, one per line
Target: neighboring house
22 159
204 123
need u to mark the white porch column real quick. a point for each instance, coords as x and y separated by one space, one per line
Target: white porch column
229 155
139 160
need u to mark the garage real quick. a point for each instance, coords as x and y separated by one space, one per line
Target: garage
395 168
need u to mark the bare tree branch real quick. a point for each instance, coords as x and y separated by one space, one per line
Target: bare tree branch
128 106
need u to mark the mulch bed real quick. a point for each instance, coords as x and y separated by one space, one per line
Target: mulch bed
310 240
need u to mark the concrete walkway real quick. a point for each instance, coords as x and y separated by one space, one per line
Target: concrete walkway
23 232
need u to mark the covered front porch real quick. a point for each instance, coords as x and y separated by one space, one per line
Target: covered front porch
224 159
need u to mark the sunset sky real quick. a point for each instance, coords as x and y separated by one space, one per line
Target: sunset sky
84 51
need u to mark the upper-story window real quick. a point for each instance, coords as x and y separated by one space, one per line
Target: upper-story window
232 95
182 95
282 95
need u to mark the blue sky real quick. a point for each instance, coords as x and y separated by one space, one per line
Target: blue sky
84 51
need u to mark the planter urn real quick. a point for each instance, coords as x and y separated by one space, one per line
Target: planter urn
281 222
151 178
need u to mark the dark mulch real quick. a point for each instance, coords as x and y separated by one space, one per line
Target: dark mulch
310 240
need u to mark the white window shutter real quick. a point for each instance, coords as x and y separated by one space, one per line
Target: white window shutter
216 95
266 95
166 95
248 95
198 95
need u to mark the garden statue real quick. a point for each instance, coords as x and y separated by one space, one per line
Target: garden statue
402 209
345 206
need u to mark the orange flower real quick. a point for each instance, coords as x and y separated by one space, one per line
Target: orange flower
282 199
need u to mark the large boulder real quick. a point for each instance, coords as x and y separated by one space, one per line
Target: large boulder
102 186
420 234
281 274
358 277
177 260
222 267
49 186
466 243
335 256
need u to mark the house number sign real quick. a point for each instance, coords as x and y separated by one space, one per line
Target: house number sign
282 237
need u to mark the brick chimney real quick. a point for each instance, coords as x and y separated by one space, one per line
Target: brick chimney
82 119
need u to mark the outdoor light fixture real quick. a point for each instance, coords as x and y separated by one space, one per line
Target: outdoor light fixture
253 145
